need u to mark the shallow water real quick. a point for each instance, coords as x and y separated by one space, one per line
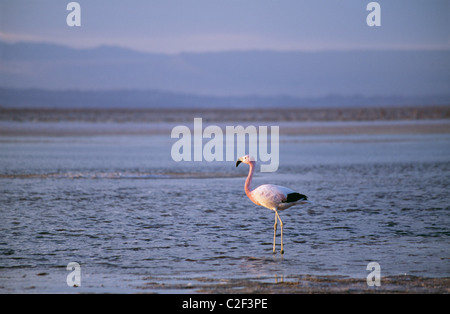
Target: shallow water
134 218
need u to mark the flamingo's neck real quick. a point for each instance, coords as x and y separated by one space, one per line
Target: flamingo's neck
248 182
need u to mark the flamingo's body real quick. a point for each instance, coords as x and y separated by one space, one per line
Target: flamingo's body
274 197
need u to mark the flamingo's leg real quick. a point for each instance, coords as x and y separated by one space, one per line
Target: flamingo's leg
281 225
274 231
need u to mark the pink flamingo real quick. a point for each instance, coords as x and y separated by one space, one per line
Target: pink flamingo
274 197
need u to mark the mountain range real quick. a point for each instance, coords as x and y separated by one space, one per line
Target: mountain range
106 75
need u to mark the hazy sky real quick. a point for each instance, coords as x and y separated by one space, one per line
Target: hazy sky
173 26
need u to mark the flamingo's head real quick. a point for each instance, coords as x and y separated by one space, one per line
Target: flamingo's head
247 159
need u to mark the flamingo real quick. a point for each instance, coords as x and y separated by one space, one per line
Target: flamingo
273 197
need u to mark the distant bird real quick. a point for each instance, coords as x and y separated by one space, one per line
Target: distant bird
274 197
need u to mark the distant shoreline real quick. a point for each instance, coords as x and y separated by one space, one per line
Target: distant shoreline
279 114
65 128
292 121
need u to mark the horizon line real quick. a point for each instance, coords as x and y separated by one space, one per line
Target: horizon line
218 96
361 48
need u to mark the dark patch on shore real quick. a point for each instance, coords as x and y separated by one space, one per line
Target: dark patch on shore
226 115
403 284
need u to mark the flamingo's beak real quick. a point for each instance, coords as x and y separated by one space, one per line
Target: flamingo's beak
238 162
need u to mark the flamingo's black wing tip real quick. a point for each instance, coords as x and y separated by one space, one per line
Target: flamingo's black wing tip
294 197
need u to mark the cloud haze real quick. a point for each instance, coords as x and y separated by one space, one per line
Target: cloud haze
203 25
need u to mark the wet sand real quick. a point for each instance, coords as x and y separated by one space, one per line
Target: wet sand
429 112
404 284
86 122
43 282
